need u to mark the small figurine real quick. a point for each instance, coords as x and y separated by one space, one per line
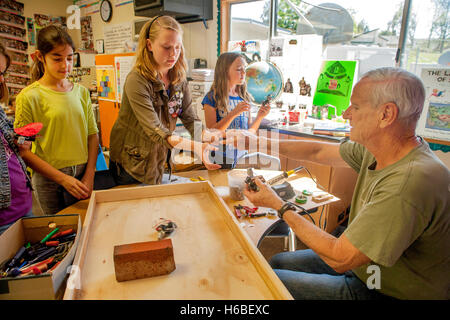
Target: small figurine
288 86
305 88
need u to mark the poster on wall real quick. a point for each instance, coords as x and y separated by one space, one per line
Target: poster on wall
252 50
31 33
87 36
123 66
41 21
434 122
60 21
276 47
106 83
334 84
117 37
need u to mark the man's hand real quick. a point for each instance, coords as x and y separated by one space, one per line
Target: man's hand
265 197
242 139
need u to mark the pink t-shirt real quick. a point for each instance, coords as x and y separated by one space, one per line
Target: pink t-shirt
21 200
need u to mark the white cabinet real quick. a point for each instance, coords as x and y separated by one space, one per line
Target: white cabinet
198 91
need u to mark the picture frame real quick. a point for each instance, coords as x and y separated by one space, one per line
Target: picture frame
76 60
100 46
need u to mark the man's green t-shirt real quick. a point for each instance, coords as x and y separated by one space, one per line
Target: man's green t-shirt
400 219
67 119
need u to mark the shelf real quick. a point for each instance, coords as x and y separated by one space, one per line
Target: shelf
19 75
13 85
7 36
17 13
19 63
15 50
12 24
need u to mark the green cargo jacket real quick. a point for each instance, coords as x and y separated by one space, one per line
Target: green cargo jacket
138 138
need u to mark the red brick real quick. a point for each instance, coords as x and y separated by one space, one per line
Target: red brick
143 259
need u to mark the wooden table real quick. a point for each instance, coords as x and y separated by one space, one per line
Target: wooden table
256 228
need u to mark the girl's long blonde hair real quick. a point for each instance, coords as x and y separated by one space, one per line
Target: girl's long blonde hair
219 88
4 93
145 63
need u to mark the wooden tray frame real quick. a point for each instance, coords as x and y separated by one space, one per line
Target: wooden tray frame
265 272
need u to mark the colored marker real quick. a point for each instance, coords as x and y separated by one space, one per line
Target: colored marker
49 235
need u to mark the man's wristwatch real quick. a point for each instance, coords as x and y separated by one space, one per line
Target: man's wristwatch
287 206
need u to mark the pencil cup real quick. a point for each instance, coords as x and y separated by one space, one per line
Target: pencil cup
236 182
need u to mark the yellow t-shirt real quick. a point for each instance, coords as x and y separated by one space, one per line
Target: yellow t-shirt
67 119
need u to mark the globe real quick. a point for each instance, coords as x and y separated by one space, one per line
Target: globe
263 79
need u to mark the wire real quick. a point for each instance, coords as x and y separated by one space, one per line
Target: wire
304 212
312 178
320 218
323 207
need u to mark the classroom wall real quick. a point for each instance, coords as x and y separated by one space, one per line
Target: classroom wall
198 41
47 7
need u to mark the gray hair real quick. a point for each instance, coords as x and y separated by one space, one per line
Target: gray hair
397 85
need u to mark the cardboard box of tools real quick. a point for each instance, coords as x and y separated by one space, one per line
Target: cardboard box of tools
47 285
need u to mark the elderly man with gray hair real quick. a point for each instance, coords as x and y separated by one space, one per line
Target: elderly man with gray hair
397 243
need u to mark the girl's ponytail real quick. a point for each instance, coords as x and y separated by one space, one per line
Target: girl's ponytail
37 70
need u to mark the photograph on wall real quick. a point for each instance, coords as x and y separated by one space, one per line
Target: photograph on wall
87 36
41 21
106 83
434 122
60 21
334 84
276 47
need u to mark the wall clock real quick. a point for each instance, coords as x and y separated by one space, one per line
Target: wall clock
106 10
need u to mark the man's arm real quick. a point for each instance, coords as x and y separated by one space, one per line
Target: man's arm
300 149
312 150
338 253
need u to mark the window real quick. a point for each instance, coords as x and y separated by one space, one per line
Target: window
250 20
427 40
369 31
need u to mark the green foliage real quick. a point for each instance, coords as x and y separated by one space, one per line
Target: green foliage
287 18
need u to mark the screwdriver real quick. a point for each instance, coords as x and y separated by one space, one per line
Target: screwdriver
283 175
17 257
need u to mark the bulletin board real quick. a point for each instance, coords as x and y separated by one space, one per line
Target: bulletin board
106 83
334 84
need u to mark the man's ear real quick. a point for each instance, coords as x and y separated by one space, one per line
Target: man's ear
389 114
